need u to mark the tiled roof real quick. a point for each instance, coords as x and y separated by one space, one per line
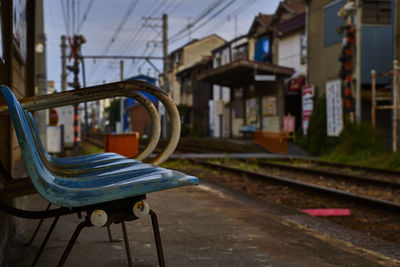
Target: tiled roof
297 6
265 18
295 23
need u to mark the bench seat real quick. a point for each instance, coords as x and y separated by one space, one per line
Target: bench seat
92 186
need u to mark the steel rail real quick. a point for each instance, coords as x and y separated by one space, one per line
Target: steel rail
319 189
331 174
340 165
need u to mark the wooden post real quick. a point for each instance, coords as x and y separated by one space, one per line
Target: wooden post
395 93
373 98
230 112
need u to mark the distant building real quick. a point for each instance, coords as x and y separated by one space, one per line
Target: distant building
374 43
291 45
192 96
234 50
256 82
136 118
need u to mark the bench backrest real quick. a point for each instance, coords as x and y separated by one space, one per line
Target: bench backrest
91 188
39 175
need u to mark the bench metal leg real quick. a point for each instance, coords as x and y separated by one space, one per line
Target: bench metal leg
37 228
110 237
109 233
72 241
126 241
45 240
157 237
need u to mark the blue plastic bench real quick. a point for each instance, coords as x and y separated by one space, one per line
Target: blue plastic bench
107 187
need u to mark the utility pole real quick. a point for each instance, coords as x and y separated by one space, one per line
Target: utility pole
165 70
76 43
40 68
121 109
165 51
235 18
189 28
165 81
357 71
63 63
164 42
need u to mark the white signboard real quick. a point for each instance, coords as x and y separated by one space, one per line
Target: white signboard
334 115
265 78
66 118
307 106
54 141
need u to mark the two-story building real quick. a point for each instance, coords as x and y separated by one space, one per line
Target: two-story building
235 50
256 84
290 44
270 69
372 49
184 89
185 57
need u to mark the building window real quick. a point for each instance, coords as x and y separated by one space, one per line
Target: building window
224 59
332 22
263 50
240 52
218 62
178 58
377 12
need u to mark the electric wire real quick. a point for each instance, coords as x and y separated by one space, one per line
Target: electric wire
135 35
131 40
240 9
171 41
85 15
126 16
65 16
203 14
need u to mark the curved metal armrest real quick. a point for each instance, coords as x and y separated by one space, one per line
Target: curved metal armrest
124 88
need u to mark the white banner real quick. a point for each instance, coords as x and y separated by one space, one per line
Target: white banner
334 114
307 106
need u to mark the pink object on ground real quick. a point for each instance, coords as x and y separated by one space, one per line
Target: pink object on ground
327 212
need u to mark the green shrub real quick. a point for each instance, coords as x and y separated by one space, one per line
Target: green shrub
317 142
359 142
393 162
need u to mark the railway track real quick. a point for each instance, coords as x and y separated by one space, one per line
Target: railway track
387 176
374 216
317 162
309 186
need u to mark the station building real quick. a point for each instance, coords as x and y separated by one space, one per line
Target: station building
258 77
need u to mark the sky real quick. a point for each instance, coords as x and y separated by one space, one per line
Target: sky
119 27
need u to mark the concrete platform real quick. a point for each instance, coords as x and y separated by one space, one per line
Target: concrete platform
209 225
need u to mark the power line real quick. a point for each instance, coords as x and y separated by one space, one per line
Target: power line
208 20
131 41
65 16
121 24
199 18
84 17
135 34
237 11
173 7
117 31
215 15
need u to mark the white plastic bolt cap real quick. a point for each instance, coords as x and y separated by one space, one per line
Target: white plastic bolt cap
98 218
141 209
